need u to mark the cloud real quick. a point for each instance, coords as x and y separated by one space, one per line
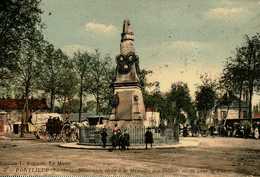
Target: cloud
225 12
100 28
71 49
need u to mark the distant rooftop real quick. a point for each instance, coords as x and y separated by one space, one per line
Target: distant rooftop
18 104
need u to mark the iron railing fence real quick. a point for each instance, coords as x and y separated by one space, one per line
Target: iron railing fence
92 136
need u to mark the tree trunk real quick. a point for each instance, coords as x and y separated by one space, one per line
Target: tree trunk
80 97
52 100
176 127
64 105
250 100
97 106
203 121
251 78
239 101
26 109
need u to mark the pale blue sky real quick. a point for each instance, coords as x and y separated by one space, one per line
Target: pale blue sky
178 40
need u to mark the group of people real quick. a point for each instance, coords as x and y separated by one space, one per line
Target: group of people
238 130
228 130
122 139
53 127
118 138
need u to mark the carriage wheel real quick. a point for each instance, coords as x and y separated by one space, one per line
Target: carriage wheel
73 136
59 137
42 132
66 133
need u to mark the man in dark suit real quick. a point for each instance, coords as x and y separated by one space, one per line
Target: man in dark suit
148 138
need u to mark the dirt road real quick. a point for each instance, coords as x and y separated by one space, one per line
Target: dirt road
213 157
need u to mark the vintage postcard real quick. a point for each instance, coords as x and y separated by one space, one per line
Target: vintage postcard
130 88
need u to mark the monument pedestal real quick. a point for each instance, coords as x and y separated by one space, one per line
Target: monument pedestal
130 111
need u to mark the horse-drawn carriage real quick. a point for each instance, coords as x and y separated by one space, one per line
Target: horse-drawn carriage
55 128
65 131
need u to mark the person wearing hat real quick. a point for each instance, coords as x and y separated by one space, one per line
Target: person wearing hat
148 137
121 140
104 137
124 140
127 139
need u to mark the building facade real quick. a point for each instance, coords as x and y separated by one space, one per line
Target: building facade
15 110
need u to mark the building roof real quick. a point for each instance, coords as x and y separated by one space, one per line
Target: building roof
18 104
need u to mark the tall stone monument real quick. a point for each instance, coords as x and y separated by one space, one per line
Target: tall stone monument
128 104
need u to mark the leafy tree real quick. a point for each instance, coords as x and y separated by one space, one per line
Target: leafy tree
142 74
205 97
251 59
152 96
101 75
242 71
151 100
75 105
227 88
52 66
19 20
68 80
19 44
192 117
107 93
91 106
233 79
180 99
179 94
82 65
160 103
28 69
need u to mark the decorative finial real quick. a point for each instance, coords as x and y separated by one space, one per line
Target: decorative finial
126 26
127 33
